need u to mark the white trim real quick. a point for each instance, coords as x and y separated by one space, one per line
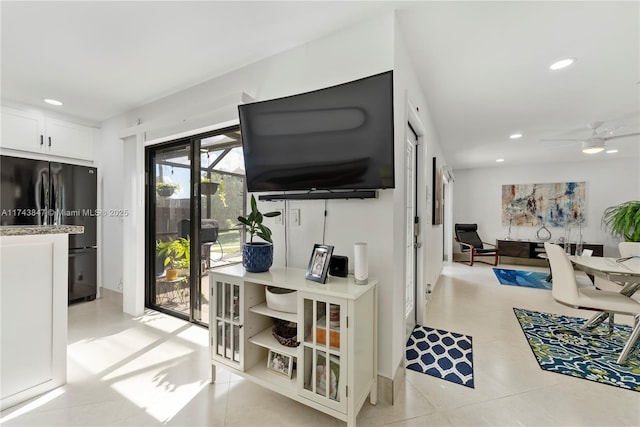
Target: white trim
189 133
421 206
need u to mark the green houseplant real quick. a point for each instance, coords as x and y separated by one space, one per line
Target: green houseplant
257 256
177 253
623 220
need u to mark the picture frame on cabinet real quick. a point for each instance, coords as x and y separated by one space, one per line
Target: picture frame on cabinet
319 263
280 364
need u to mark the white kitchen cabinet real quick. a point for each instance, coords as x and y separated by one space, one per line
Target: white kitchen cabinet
33 315
336 356
37 133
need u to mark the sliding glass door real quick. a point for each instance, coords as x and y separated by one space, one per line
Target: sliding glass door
195 192
170 209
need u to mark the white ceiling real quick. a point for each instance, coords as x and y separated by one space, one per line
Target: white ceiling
483 65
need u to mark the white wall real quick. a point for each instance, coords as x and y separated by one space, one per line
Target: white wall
478 194
354 53
109 155
410 94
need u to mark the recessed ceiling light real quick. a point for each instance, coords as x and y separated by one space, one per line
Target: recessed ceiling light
53 102
499 160
515 135
611 151
562 63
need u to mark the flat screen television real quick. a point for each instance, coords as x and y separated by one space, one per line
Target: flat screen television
336 138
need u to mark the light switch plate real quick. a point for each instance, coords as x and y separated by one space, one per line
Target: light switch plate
280 218
295 217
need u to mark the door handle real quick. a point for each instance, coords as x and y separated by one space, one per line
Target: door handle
49 141
41 139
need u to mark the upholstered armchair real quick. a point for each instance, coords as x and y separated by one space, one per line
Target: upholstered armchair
470 242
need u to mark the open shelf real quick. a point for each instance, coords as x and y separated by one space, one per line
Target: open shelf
266 311
272 380
266 339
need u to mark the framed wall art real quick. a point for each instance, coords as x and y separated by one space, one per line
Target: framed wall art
552 204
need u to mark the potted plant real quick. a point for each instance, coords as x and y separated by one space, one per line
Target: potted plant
257 256
166 189
623 220
175 252
208 187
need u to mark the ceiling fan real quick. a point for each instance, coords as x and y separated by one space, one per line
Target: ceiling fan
599 136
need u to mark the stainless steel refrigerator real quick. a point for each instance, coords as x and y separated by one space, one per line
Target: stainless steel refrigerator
52 193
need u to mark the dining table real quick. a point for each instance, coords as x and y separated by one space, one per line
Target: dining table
623 271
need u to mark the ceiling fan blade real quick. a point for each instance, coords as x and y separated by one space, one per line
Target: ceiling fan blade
562 139
608 138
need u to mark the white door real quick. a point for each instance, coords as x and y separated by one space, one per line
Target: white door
412 230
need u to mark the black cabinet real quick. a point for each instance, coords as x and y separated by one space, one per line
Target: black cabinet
531 249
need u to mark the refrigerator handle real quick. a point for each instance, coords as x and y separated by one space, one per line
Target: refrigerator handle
55 195
44 195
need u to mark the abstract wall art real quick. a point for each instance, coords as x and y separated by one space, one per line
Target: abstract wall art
552 204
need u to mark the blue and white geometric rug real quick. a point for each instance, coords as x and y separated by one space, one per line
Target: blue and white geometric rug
560 346
441 354
527 279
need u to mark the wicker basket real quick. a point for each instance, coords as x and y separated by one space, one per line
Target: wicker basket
285 332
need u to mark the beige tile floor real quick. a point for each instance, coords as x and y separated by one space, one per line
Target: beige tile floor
153 370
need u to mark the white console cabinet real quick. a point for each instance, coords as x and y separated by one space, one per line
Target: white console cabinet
335 361
36 133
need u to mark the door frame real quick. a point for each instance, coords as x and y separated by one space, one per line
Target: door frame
193 142
421 175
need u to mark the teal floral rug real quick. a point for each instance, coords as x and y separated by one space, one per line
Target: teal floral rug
527 279
561 346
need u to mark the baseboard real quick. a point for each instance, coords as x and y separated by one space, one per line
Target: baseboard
389 389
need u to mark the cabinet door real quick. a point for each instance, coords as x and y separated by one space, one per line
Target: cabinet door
22 130
226 319
324 350
69 139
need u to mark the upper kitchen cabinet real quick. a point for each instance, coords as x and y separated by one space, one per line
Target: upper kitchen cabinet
36 133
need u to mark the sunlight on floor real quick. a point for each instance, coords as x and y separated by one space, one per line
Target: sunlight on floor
34 404
146 363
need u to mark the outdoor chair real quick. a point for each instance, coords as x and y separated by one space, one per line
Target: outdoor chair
470 242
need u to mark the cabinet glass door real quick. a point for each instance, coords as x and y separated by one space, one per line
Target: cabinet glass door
324 330
227 321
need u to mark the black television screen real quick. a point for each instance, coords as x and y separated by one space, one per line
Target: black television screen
340 137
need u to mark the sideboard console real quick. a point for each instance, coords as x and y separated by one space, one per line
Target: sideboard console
331 362
531 249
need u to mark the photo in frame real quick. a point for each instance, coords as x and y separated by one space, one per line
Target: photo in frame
280 364
437 202
319 263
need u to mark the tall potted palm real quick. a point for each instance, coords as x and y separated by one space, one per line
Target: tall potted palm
257 256
623 220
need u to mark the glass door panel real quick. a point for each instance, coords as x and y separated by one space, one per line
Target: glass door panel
170 287
195 193
222 200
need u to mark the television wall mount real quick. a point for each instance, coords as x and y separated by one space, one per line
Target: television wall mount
321 195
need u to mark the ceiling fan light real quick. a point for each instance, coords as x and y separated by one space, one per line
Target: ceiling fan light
592 147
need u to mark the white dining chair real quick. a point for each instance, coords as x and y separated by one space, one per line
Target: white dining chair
565 290
629 249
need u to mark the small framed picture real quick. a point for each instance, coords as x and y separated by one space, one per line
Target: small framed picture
319 263
280 364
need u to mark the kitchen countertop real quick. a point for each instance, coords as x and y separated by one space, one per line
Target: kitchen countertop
31 230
